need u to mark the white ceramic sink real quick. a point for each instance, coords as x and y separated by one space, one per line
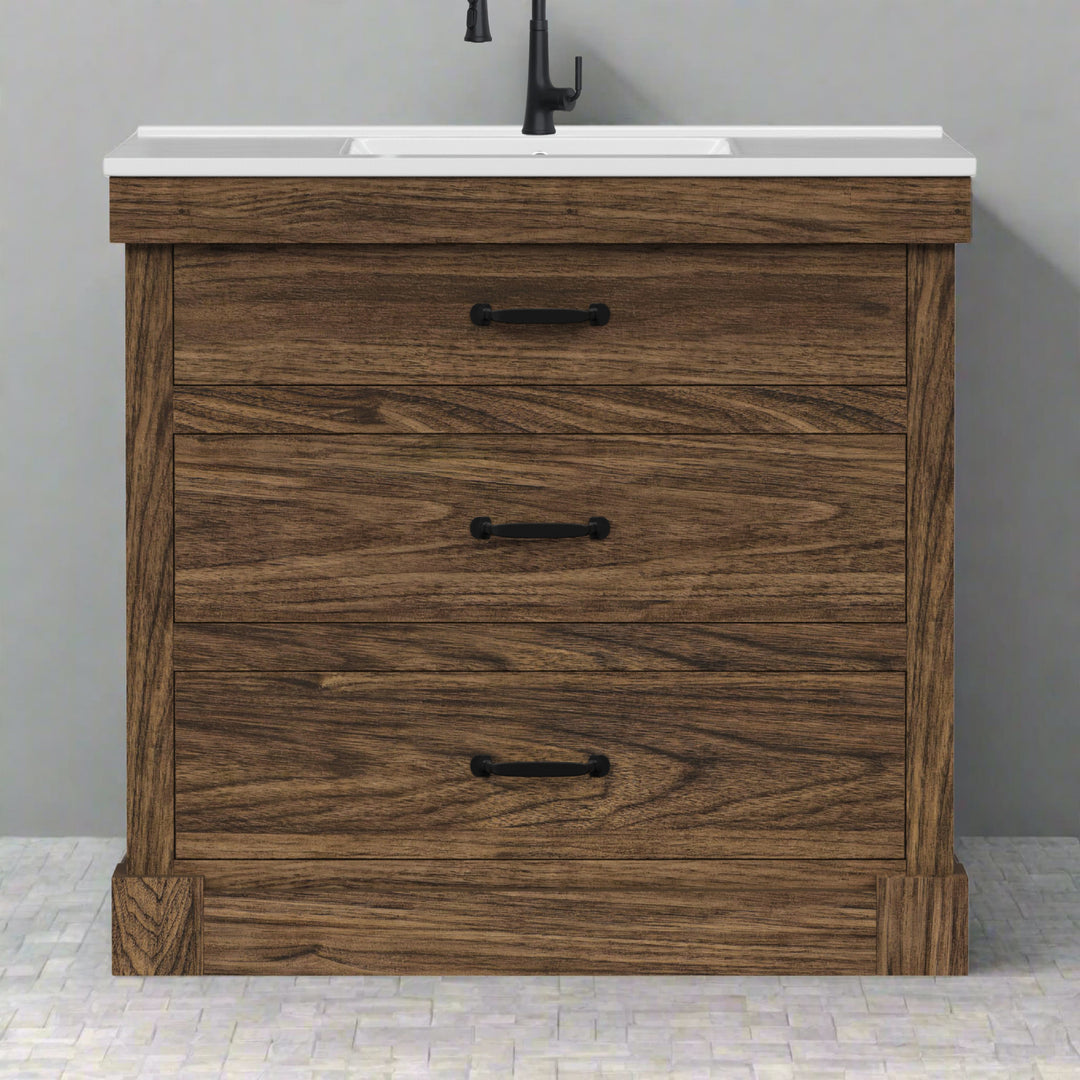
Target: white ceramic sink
561 145
576 150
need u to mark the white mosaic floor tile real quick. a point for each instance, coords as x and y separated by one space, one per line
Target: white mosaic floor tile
63 1017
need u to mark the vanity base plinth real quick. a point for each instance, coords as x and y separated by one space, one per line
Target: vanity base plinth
540 916
923 925
157 924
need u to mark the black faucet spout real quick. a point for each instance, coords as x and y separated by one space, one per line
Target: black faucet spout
542 98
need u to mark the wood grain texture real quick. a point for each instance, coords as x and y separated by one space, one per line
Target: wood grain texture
356 528
149 560
923 924
314 764
690 210
156 925
930 561
445 410
541 647
679 314
543 917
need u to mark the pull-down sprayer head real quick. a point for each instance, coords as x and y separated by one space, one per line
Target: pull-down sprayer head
476 22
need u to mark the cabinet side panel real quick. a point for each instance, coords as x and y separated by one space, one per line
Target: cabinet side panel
930 561
149 560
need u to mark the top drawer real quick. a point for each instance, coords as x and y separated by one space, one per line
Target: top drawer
679 314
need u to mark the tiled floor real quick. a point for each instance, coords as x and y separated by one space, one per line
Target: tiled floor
63 1016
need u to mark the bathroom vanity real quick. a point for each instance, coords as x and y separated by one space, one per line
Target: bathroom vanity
540 564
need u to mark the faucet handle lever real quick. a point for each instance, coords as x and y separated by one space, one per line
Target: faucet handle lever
577 80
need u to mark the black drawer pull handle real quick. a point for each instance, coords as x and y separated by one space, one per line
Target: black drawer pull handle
596 315
597 765
482 528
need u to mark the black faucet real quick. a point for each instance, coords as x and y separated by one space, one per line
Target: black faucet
542 99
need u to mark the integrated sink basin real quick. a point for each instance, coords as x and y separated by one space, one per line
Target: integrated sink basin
575 150
568 145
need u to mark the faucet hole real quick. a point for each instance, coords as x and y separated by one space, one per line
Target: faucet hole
540 153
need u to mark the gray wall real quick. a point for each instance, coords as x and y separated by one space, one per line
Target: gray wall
999 74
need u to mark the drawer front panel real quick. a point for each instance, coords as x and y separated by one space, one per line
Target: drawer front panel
679 314
376 528
323 765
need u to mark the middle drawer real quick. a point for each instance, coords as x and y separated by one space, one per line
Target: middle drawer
361 528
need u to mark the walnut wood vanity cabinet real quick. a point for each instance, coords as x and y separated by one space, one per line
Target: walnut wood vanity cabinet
747 679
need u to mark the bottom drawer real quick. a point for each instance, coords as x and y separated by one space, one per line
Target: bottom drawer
441 917
701 765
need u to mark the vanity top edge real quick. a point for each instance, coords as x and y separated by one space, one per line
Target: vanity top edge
341 151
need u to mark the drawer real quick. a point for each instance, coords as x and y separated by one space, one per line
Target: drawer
377 528
332 765
386 314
